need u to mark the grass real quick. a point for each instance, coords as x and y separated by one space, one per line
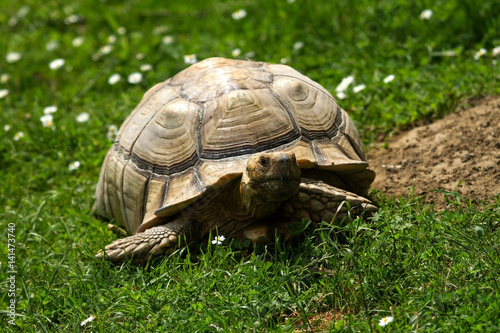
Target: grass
430 271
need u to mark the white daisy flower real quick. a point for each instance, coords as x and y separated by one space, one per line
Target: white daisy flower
13 57
19 135
480 53
495 51
82 117
250 54
47 120
134 78
239 14
23 11
4 78
50 109
389 78
190 59
298 45
344 84
7 127
159 30
73 166
56 64
218 240
52 45
426 14
113 79
3 93
121 30
13 21
168 39
236 52
341 95
386 320
358 88
78 41
88 320
111 39
71 19
112 131
140 56
106 49
146 67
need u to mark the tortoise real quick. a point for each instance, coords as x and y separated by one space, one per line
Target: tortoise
230 147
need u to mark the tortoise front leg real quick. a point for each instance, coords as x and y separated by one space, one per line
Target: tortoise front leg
156 241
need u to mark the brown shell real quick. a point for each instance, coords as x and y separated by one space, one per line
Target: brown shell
195 132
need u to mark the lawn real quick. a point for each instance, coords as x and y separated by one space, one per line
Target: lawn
71 71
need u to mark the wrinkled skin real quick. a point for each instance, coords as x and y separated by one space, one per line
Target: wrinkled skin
269 180
240 209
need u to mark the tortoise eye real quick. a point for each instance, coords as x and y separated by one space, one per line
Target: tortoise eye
264 161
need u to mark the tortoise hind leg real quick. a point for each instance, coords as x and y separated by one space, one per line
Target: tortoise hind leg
319 201
155 241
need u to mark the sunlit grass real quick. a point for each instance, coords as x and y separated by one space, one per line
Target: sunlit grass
70 72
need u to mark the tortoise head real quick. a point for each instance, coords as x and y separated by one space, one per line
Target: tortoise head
269 178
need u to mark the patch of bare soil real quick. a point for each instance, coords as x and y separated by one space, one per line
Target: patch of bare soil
459 152
318 322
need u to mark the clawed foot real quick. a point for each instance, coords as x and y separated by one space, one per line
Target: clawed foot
318 201
155 241
117 230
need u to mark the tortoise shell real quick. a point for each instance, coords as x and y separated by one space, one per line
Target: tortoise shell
194 133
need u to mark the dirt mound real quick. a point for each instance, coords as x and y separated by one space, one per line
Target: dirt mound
459 152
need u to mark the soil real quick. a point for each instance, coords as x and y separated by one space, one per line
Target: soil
460 152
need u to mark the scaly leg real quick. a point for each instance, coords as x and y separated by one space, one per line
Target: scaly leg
155 241
318 201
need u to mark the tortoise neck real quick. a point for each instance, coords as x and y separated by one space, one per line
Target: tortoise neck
228 209
251 203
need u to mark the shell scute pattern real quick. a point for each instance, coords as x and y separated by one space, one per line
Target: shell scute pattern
260 121
194 133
